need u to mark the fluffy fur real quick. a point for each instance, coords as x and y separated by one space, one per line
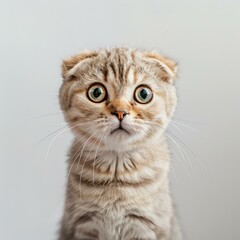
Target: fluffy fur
117 182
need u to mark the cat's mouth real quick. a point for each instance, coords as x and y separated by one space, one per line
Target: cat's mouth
119 129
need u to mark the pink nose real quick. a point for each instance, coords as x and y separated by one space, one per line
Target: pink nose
120 114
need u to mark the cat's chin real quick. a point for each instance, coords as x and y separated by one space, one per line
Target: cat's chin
120 135
119 131
119 140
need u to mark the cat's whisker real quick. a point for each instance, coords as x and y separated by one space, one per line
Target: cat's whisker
176 127
82 147
46 115
183 154
56 136
167 131
50 115
180 123
99 142
149 144
53 140
187 126
49 135
80 157
77 125
181 151
73 157
83 166
103 187
183 120
94 161
180 141
81 139
195 157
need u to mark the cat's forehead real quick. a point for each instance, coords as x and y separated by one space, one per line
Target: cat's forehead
119 67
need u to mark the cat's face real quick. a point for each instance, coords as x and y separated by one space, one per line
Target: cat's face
118 98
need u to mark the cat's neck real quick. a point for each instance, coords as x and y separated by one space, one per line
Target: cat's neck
137 164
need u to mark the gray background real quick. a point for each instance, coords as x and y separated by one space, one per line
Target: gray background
202 36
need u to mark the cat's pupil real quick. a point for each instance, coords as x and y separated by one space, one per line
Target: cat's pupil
97 92
143 93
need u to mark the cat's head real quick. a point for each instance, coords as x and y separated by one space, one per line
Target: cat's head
118 98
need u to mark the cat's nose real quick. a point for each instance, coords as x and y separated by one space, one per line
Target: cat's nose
120 114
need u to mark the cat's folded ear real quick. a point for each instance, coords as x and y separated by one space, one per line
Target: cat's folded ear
69 64
168 66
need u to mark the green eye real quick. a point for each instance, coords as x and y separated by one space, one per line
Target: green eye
97 93
143 94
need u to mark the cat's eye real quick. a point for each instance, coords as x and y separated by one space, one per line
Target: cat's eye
97 93
143 94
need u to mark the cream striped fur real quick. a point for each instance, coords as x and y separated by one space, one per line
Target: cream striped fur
117 181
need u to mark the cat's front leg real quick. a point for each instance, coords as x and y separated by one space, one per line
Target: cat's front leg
78 233
135 230
143 232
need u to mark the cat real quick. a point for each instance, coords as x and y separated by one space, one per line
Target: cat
118 102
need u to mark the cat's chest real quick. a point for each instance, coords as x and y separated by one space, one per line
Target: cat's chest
113 171
115 222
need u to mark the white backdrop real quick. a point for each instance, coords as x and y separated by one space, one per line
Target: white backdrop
203 36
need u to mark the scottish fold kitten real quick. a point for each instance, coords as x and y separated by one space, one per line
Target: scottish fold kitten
118 103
